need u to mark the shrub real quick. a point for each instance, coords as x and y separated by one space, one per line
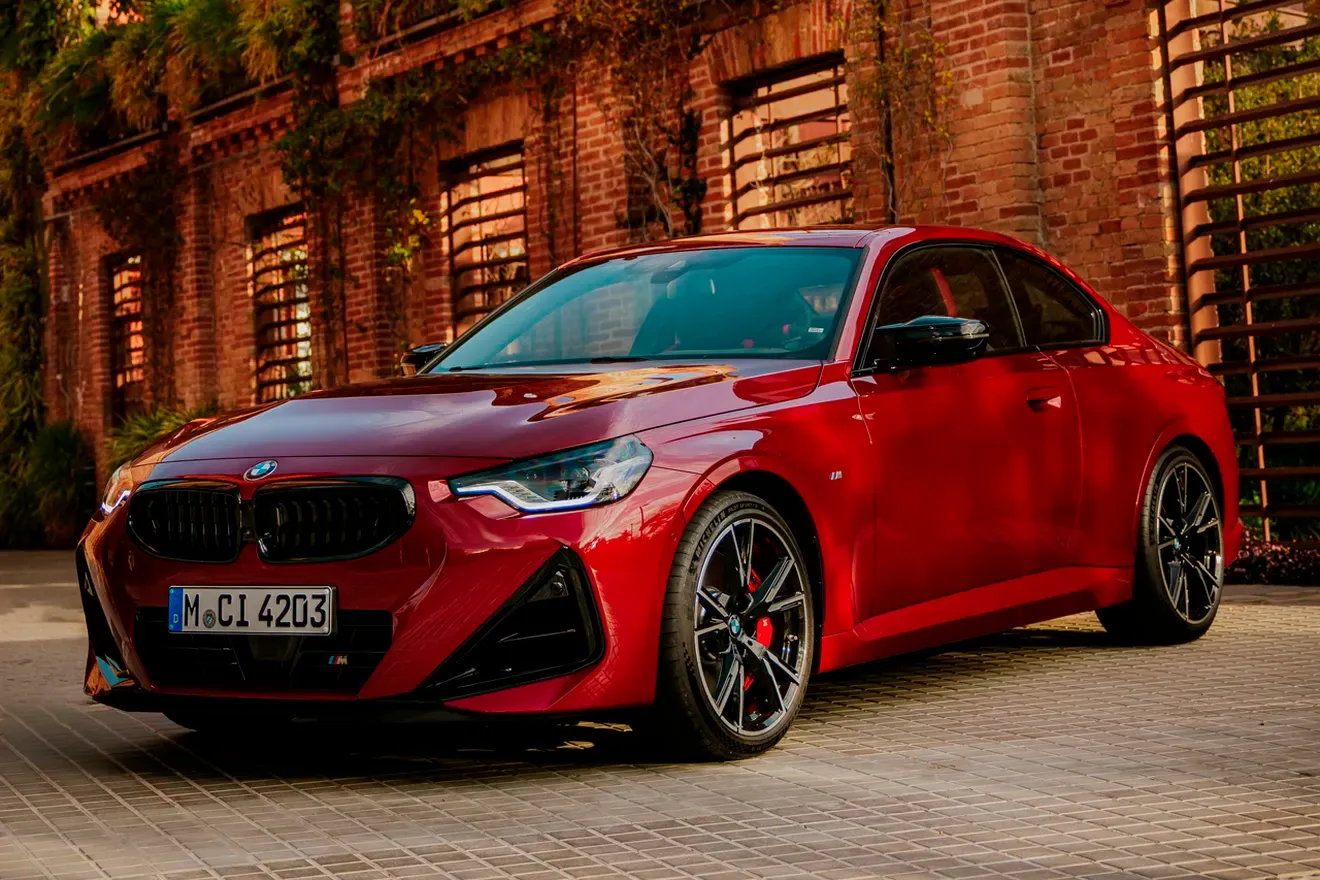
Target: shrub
1262 563
56 482
19 526
143 428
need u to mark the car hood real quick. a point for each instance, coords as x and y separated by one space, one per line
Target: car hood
504 415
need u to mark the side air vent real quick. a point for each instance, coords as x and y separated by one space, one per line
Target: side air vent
549 628
187 521
322 521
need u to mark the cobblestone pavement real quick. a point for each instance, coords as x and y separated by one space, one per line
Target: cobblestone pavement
1045 752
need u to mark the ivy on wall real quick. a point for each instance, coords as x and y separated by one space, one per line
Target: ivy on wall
371 148
898 79
159 54
154 57
646 50
41 467
140 213
73 87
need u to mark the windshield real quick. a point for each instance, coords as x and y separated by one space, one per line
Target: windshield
776 302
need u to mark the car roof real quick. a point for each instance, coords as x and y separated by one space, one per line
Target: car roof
805 236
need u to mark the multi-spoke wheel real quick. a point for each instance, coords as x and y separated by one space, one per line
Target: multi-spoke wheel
1180 564
739 634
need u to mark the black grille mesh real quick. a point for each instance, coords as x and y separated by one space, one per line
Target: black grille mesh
331 521
298 521
339 663
194 523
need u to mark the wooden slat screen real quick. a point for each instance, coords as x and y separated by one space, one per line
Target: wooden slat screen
1243 92
281 307
484 221
788 149
128 350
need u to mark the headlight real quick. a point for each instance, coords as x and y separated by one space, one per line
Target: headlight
117 490
582 477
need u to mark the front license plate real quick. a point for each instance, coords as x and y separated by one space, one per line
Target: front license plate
254 611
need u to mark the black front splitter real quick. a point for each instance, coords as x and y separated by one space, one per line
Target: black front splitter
344 712
386 711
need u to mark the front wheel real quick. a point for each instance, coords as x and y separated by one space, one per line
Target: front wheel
738 634
1180 563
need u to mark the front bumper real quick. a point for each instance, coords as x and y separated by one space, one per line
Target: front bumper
426 603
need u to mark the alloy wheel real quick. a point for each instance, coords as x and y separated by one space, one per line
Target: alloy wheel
750 626
1189 541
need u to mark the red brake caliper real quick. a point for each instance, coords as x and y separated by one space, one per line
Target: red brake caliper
765 630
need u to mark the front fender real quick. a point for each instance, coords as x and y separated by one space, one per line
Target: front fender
820 450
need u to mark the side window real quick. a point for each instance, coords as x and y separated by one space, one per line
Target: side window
1053 311
952 282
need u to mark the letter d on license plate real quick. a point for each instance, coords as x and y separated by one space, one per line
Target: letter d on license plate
253 611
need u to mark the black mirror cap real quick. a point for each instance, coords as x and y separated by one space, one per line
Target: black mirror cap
927 341
412 360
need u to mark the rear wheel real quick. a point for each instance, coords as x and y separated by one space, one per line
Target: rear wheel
738 634
1180 562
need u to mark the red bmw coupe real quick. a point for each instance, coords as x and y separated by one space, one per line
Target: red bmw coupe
675 481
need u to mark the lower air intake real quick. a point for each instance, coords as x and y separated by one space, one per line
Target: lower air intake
337 663
548 629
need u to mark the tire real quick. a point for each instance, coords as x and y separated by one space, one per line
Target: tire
754 646
1179 569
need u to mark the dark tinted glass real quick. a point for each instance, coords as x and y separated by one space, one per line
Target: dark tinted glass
953 283
1052 309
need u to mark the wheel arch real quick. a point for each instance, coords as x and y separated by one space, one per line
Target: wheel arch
1177 433
1199 448
780 494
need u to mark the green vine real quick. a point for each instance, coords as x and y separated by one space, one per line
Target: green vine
375 20
901 82
32 32
646 49
370 149
140 214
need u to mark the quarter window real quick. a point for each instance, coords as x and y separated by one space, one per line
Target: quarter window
277 266
485 223
1053 311
127 341
789 154
949 282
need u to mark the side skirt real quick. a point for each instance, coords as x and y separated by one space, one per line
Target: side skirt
977 612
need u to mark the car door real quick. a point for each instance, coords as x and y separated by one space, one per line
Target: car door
977 463
1061 320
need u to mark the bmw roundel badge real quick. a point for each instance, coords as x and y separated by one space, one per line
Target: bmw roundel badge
261 469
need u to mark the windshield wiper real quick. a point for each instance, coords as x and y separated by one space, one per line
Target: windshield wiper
620 359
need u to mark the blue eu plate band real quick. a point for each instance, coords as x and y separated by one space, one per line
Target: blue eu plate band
176 609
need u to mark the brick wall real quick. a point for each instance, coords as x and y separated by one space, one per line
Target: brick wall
1055 138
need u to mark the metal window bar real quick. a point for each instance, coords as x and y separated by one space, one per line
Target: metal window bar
128 350
281 305
484 221
788 149
1242 83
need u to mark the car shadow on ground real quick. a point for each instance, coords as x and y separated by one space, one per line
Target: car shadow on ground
439 752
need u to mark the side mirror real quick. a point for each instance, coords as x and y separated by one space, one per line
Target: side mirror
928 340
414 359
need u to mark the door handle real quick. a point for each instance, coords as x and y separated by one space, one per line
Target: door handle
1044 398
